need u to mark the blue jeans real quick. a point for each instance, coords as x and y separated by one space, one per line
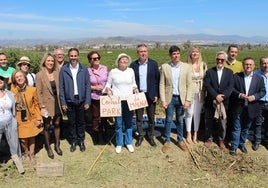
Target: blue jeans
176 105
242 123
124 124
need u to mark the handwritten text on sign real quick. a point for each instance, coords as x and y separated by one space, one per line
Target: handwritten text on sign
136 101
110 106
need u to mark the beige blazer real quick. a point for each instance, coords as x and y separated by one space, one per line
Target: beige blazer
44 91
166 83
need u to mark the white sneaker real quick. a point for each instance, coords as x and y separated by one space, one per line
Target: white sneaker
118 149
130 148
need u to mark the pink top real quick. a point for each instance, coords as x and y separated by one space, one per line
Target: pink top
98 77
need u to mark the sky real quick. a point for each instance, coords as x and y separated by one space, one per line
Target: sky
50 19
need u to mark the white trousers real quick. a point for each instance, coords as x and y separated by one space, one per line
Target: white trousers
194 111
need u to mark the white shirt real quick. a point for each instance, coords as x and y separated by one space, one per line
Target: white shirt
175 69
74 71
31 78
121 82
5 110
247 79
219 73
143 76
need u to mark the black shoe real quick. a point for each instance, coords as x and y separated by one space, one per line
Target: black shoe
243 149
139 141
152 142
58 150
82 146
255 146
50 154
73 147
233 152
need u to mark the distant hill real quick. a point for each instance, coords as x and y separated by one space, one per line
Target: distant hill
200 39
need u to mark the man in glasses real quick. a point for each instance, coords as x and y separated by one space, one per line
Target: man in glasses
24 65
218 83
59 57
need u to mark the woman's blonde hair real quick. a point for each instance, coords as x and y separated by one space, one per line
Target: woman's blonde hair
42 63
200 63
194 48
13 79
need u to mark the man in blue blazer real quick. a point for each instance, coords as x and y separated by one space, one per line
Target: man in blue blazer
75 97
147 79
248 89
218 83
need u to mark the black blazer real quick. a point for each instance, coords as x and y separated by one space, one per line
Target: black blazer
153 77
213 88
257 88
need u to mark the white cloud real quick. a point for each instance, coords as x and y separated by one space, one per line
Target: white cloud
98 28
41 18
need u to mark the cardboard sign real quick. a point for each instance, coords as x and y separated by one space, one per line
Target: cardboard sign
136 101
110 106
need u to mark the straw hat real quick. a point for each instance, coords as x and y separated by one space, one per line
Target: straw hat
24 59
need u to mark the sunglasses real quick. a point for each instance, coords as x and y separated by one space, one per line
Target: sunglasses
219 59
25 64
95 58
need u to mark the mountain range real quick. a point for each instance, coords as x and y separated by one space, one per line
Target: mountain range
200 39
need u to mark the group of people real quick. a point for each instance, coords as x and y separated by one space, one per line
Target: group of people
235 100
231 94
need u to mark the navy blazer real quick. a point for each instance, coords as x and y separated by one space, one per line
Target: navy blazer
257 88
67 87
213 88
153 77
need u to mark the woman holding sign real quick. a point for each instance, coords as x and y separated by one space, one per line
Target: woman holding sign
121 82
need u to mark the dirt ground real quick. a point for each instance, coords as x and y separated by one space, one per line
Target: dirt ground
146 167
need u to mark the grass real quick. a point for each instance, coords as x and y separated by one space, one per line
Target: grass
146 167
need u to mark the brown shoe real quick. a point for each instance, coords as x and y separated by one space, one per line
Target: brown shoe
222 145
208 143
182 146
166 147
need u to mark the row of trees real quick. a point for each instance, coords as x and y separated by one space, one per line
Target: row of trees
158 51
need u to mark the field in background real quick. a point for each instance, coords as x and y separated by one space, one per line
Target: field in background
109 56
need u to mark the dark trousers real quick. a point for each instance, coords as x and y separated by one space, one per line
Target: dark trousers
260 125
77 123
214 127
150 110
98 123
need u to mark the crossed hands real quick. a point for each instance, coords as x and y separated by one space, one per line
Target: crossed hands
248 98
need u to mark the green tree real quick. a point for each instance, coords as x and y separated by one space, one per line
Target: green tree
186 45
